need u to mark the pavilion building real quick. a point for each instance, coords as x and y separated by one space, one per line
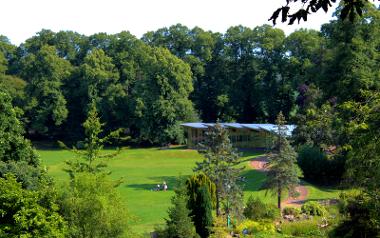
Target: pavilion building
245 136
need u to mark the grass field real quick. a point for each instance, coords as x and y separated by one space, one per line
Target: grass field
142 169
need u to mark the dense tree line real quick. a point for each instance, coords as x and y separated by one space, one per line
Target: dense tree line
149 86
326 82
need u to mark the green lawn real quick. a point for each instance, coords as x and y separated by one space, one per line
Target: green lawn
143 169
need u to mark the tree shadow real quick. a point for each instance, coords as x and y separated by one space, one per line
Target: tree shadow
142 186
326 201
251 152
323 188
46 145
252 180
171 182
177 147
250 155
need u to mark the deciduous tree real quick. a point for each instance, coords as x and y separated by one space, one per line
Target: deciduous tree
45 71
350 8
17 155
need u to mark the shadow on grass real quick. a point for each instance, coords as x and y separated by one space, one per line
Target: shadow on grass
251 152
46 145
248 155
143 186
171 182
177 147
253 180
326 201
323 188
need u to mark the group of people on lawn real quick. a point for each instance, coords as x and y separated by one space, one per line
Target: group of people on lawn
163 187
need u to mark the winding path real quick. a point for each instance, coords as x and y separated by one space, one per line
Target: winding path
258 163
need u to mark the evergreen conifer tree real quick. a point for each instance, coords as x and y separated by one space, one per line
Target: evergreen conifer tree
91 159
179 224
282 174
219 165
196 181
201 211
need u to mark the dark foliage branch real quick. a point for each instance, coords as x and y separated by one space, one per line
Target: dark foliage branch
351 8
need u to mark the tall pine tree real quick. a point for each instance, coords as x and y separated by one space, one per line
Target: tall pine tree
282 174
220 164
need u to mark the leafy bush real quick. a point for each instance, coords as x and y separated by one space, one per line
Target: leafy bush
362 216
303 228
314 209
345 198
257 210
254 227
291 211
318 167
91 204
27 213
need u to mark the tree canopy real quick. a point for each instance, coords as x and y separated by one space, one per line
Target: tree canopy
176 74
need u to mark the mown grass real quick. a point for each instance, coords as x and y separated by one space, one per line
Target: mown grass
143 168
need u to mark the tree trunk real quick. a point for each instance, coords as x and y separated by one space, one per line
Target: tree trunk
279 198
217 204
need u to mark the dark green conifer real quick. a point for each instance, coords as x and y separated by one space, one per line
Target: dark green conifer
282 174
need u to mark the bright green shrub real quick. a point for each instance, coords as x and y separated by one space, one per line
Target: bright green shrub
291 211
219 230
257 210
255 227
314 209
26 213
92 206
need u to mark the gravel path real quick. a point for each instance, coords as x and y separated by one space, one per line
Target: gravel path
298 201
258 163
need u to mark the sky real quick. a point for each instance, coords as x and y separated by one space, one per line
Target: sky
22 19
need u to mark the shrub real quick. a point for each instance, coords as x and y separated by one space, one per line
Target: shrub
219 229
303 228
361 216
314 209
257 210
291 211
27 213
318 167
345 198
93 205
255 227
